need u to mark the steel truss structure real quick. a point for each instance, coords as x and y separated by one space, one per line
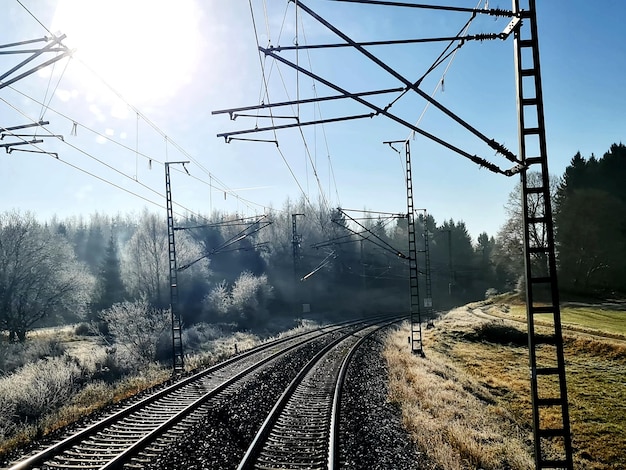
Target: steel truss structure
178 359
553 443
417 346
553 447
11 76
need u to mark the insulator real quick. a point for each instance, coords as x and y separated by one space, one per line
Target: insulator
500 12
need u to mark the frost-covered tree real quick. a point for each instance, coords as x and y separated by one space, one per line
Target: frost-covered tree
245 303
145 262
145 265
508 252
39 275
136 328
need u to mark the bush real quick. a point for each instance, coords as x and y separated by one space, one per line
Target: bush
83 329
16 355
8 409
114 365
200 334
219 300
136 328
491 292
38 388
246 303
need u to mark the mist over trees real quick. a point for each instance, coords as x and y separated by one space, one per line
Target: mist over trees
244 271
249 270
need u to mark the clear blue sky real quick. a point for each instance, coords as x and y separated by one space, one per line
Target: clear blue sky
175 62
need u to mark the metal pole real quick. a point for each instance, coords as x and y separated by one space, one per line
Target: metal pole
295 241
178 366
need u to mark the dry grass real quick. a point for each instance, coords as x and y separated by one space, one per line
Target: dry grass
454 419
494 355
595 320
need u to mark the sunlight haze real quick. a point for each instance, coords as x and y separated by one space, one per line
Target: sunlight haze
146 75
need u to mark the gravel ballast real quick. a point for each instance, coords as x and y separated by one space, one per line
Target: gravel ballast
372 436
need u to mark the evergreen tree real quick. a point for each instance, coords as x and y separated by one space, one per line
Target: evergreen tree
110 286
486 273
590 223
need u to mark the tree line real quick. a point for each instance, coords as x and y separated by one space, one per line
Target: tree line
589 210
248 270
231 268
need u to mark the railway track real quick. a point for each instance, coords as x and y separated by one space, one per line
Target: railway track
302 429
135 435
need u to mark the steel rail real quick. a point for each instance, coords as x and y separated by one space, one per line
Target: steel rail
149 438
333 440
254 450
63 445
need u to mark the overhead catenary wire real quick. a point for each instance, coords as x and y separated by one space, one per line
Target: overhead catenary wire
486 11
88 154
45 106
444 55
132 107
439 84
43 151
139 115
35 18
266 94
158 129
378 240
151 159
331 175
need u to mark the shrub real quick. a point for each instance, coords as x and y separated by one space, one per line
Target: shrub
136 328
219 300
83 329
250 296
16 355
199 335
498 333
8 409
40 387
491 292
246 303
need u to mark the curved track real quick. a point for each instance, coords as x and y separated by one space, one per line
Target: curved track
137 433
301 431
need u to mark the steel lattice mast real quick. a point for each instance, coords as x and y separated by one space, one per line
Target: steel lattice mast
553 442
178 362
414 297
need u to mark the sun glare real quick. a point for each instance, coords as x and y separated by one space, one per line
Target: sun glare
147 50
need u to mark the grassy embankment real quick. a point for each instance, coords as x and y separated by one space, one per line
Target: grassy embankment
468 403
